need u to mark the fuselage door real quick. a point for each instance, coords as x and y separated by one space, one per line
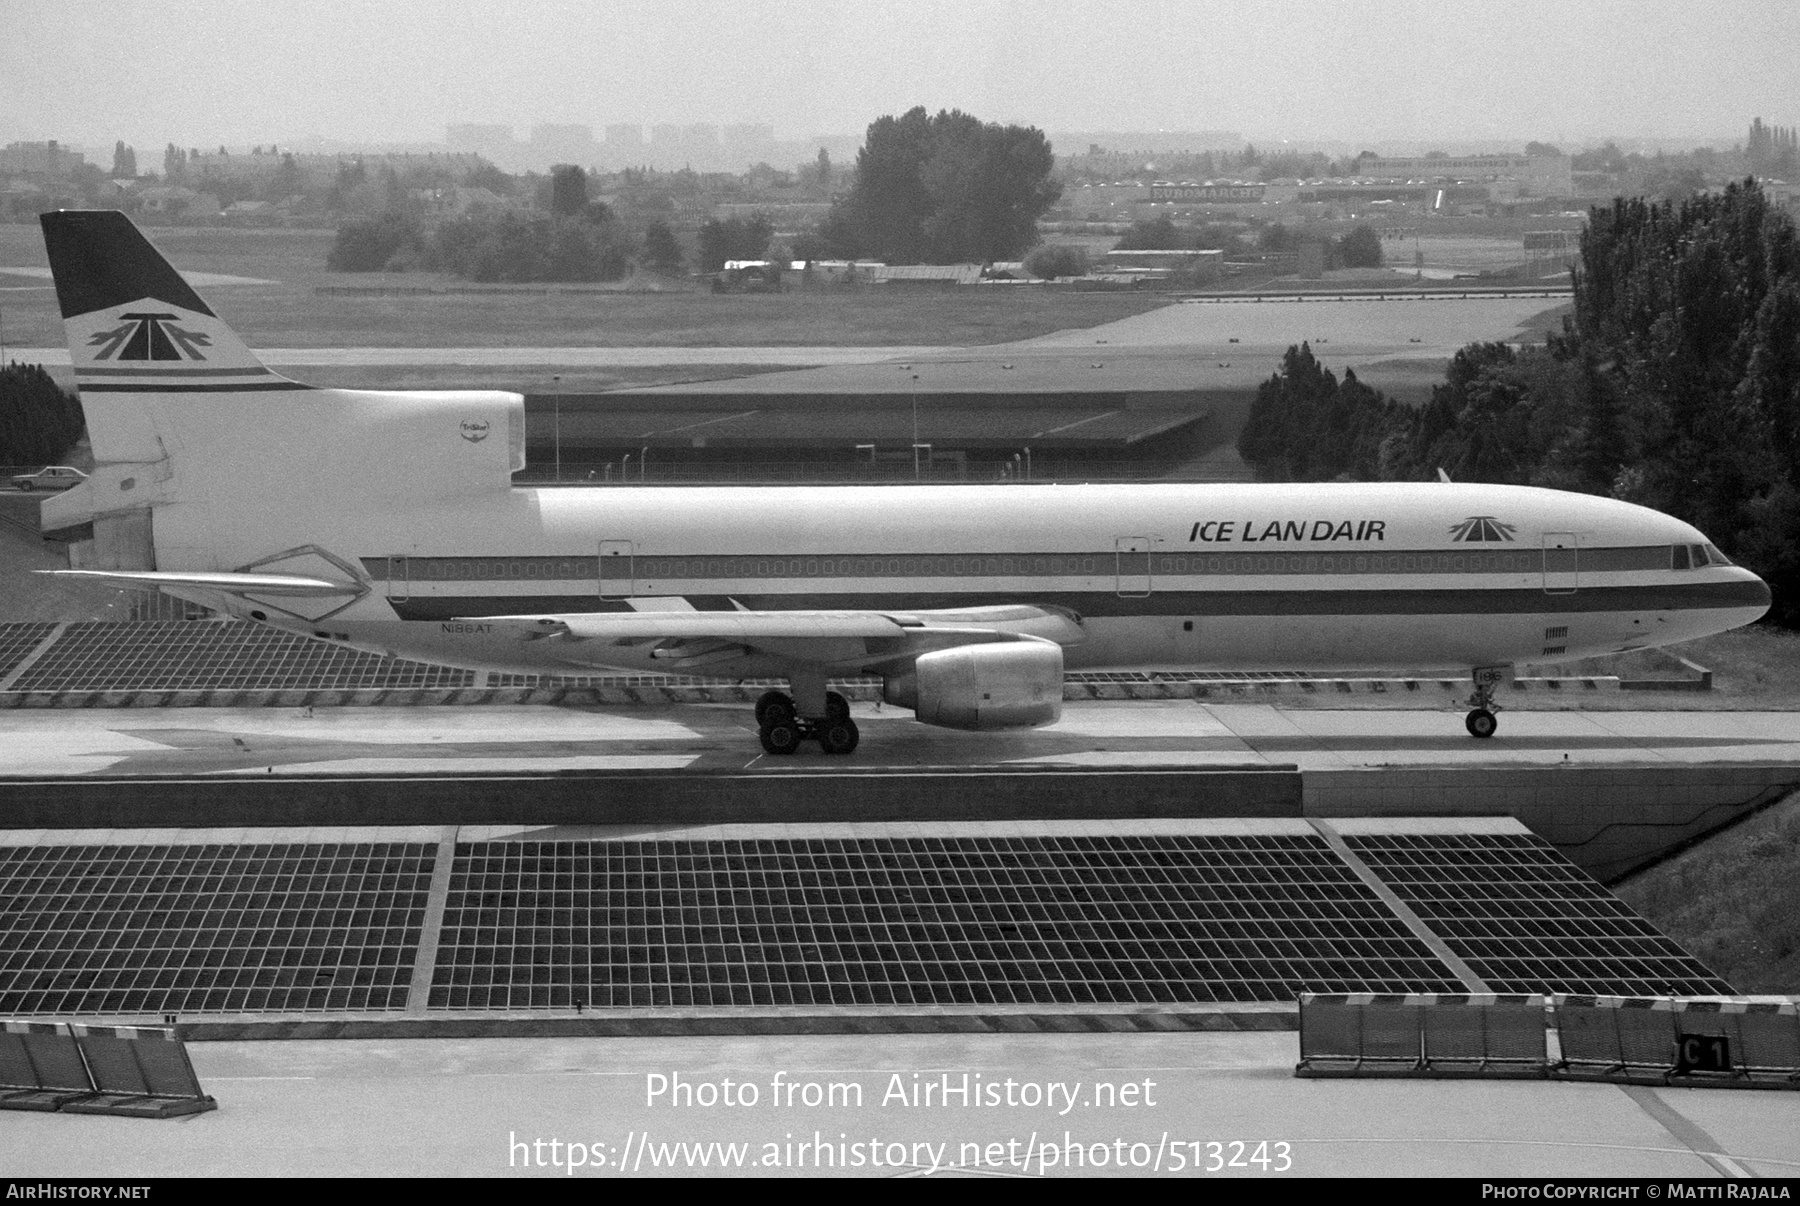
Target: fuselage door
399 579
1132 562
617 576
1562 563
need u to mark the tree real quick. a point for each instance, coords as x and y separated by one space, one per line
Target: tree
371 244
1361 248
568 190
733 239
1535 149
944 189
1059 261
174 163
124 162
661 251
824 170
1152 234
1305 426
39 421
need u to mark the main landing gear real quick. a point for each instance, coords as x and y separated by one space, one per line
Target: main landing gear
1481 721
782 728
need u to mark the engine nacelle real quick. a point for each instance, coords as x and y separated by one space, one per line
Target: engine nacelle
1003 685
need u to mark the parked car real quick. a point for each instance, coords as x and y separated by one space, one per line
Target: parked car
50 477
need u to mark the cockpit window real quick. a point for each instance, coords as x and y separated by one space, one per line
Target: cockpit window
1678 557
1699 552
1716 557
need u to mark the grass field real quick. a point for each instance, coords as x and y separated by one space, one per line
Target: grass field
291 313
1733 900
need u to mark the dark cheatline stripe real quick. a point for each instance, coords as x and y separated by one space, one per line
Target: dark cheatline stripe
671 572
1267 604
182 387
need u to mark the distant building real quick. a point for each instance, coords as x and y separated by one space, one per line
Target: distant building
1537 175
40 158
174 201
482 140
564 144
624 137
457 200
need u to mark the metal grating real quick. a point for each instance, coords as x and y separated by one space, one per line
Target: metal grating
916 921
192 656
183 929
1528 920
17 641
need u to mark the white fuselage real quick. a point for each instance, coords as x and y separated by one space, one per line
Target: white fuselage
1321 577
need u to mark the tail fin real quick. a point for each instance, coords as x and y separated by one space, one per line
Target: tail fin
136 327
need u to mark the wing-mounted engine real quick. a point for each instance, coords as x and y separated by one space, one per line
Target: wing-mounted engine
1003 685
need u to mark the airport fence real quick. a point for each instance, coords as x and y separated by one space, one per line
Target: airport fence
1425 1034
131 1071
1695 1040
1691 1041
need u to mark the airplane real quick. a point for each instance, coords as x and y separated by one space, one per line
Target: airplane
389 522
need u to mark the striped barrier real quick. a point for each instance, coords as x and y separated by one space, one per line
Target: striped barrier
1422 1034
1689 1041
1676 1040
131 1071
40 1067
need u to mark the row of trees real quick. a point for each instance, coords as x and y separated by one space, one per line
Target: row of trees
1360 248
1674 384
39 420
488 248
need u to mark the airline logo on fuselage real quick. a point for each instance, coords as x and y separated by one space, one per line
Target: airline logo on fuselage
1288 531
144 336
1482 527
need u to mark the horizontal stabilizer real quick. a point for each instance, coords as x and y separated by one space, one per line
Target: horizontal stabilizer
281 585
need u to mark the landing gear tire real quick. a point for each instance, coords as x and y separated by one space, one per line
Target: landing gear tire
781 736
836 706
838 735
774 706
1481 723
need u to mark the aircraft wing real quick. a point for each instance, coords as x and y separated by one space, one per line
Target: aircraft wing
226 582
697 637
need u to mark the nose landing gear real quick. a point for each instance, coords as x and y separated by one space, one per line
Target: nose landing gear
781 728
1481 721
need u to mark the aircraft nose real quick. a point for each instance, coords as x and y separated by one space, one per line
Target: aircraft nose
1763 597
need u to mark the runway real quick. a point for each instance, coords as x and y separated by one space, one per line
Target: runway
1214 1105
721 738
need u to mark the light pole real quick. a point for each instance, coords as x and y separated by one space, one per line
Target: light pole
556 423
1028 464
643 464
915 439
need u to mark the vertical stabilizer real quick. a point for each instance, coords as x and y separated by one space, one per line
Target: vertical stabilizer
138 333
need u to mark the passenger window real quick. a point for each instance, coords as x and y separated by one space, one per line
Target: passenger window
1678 557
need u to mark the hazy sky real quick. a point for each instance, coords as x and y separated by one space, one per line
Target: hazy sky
238 72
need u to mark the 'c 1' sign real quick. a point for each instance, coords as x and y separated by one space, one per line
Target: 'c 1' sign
1702 1053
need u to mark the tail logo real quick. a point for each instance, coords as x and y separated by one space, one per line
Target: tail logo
149 337
474 430
1481 528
